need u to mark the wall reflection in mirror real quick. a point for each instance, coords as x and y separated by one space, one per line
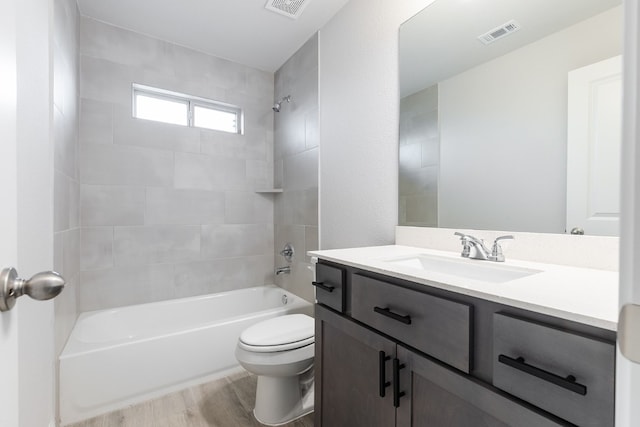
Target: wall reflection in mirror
486 123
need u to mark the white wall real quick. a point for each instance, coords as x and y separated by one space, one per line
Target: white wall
359 102
504 124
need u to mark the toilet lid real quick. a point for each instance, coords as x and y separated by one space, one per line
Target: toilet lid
279 331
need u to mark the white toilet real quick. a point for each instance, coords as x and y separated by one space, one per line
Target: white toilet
280 352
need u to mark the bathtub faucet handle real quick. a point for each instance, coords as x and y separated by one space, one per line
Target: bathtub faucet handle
287 252
42 286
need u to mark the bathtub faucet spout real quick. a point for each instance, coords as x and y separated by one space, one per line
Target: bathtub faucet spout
283 270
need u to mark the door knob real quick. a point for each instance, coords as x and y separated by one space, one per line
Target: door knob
42 286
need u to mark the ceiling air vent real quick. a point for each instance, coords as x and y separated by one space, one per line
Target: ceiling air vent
499 32
290 8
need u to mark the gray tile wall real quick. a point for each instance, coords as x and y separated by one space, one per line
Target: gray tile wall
419 159
296 166
169 211
66 236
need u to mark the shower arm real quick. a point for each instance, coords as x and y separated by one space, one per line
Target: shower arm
278 104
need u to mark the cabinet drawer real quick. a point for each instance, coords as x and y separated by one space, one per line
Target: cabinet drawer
330 287
433 325
569 375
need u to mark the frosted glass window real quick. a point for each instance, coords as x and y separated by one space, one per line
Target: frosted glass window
176 108
208 118
161 110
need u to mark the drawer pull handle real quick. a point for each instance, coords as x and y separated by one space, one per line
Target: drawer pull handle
568 382
395 316
322 286
397 394
382 361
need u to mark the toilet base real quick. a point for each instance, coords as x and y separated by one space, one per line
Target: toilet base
280 400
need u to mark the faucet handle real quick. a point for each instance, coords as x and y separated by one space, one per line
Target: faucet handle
287 252
465 238
466 247
496 249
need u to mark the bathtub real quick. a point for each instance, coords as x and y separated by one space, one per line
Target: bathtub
118 357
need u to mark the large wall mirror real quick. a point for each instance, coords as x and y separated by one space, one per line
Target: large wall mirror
510 115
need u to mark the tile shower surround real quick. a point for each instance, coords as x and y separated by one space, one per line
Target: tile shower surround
66 211
296 166
169 211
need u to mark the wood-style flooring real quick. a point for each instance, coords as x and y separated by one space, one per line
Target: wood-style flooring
227 402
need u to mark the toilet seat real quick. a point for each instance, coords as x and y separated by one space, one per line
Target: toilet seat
278 334
275 348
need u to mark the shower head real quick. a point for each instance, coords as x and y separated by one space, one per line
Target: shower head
278 104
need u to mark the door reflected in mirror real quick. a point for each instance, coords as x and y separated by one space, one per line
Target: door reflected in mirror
484 126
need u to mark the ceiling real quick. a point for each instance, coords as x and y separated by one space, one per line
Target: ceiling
242 31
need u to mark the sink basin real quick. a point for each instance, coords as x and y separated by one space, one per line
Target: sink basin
485 271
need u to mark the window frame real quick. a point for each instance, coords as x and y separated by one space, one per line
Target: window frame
191 102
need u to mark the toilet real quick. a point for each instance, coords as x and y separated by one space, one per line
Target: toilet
280 352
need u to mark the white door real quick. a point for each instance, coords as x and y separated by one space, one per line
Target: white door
8 216
26 210
593 147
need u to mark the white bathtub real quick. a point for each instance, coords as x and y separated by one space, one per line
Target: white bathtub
123 356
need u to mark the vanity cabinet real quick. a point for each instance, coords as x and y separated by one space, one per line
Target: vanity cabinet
364 379
403 354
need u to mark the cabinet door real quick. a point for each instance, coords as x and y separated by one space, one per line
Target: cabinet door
433 395
353 368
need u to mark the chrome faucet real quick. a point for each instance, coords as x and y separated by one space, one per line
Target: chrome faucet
474 248
283 270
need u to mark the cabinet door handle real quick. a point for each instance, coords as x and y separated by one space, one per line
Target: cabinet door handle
322 286
406 319
397 394
568 382
382 372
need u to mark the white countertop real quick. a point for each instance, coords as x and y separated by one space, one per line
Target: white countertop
582 295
